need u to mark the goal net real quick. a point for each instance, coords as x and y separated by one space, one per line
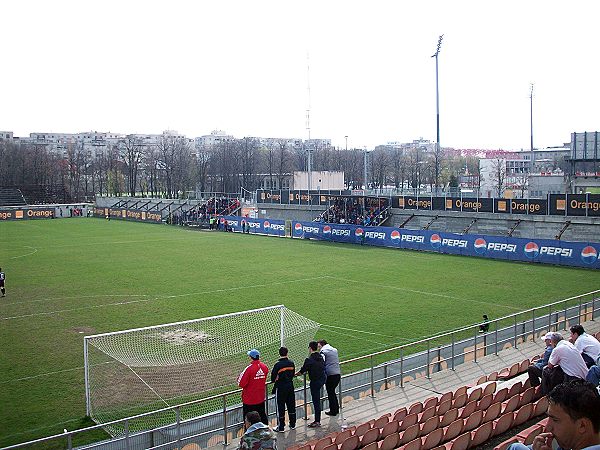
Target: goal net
135 371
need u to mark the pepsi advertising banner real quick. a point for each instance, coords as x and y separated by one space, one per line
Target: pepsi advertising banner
548 251
271 227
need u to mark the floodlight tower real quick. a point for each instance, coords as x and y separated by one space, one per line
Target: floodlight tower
437 105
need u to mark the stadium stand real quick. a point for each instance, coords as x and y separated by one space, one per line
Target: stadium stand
11 197
44 195
349 210
460 415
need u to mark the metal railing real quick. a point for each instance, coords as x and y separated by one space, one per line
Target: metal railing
368 374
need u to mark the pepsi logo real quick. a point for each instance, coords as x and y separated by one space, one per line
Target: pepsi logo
589 255
266 224
480 245
359 232
435 240
531 250
395 235
326 229
298 227
222 220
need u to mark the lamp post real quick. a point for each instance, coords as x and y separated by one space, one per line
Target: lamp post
531 124
437 105
346 137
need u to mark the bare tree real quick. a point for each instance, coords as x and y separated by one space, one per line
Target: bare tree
498 175
132 148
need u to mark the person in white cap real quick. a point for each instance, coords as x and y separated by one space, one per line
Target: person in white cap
535 370
253 380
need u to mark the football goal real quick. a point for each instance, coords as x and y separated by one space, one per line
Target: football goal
135 371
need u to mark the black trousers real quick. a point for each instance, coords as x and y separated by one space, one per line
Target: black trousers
552 377
332 382
260 408
285 398
535 373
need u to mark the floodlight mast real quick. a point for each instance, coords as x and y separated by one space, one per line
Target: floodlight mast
531 124
437 102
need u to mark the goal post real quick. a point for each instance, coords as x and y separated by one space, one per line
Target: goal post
139 370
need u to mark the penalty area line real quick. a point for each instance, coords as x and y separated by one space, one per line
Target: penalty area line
26 254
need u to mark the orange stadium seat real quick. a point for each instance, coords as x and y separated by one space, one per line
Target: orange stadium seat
473 421
449 417
503 423
432 439
371 435
390 442
481 434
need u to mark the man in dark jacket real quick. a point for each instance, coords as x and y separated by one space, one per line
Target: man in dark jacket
315 366
282 378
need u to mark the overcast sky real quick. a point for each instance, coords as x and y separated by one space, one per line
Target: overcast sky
241 66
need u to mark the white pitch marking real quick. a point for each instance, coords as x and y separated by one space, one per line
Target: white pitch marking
74 297
48 313
429 293
27 254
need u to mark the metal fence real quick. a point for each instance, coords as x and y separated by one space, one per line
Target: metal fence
366 375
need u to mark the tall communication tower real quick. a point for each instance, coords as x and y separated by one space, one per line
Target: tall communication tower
309 148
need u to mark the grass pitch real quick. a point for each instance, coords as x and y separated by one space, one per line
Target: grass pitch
72 277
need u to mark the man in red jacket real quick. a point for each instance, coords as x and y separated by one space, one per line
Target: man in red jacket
253 380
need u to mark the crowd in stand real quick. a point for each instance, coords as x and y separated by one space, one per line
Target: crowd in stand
202 214
352 211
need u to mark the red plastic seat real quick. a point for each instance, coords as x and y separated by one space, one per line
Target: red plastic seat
511 404
371 435
453 430
400 413
524 365
390 442
342 436
408 421
362 429
501 395
412 445
432 439
427 414
493 376
481 434
410 434
445 396
489 388
503 423
540 407
322 443
389 428
443 407
473 421
460 391
460 401
449 417
371 446
475 395
415 408
492 412
527 396
468 410
461 442
511 372
523 414
431 401
528 435
351 443
485 402
431 424
515 389
381 422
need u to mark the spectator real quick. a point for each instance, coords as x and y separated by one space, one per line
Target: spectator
593 375
2 279
588 345
573 419
565 364
485 325
535 370
333 374
253 380
315 366
282 378
258 436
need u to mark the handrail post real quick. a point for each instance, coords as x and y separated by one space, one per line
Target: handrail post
428 349
439 359
496 339
452 351
593 307
385 377
70 441
127 434
372 381
533 325
475 346
305 400
401 366
225 419
515 332
549 318
579 312
178 421
566 317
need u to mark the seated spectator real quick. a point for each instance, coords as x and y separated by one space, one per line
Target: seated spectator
535 370
565 364
588 345
593 375
258 436
573 419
